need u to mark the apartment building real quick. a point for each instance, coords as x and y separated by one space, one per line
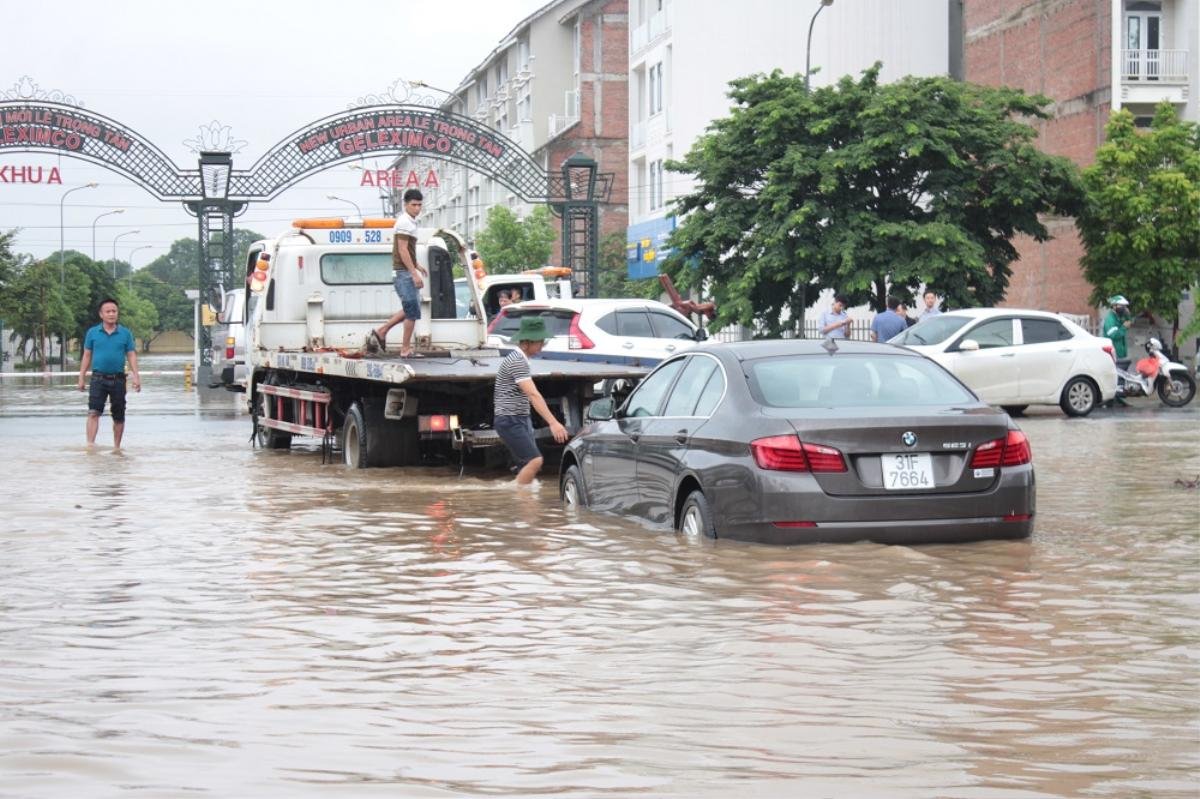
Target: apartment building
556 85
683 53
1089 57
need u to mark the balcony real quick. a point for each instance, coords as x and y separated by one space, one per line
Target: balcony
570 115
1154 76
637 135
648 32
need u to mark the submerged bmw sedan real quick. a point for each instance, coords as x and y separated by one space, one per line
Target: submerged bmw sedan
799 441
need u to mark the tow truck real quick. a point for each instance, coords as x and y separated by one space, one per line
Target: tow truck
318 289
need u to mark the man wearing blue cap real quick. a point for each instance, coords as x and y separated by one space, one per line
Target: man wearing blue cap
516 394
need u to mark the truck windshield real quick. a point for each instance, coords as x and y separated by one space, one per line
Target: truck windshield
349 268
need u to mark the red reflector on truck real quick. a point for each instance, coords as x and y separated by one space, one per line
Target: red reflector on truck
795 524
1018 517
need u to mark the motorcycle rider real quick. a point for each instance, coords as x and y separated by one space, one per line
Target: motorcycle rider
1116 323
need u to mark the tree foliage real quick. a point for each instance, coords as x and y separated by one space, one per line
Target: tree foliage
1141 220
35 307
508 244
864 188
137 312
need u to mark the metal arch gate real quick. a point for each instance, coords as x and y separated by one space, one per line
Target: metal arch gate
35 121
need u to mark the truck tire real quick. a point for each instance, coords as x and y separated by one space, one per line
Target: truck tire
370 440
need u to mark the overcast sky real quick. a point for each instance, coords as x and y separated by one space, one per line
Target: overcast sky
266 68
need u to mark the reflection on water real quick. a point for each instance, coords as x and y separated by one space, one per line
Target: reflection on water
193 615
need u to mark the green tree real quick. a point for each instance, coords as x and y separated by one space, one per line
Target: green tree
35 307
1139 223
865 188
181 265
508 244
137 312
614 272
173 310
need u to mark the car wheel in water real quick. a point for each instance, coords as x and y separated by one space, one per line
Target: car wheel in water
1079 397
696 518
1176 389
571 489
1014 410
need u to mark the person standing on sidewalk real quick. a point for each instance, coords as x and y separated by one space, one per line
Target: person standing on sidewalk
836 323
408 278
889 323
516 394
105 348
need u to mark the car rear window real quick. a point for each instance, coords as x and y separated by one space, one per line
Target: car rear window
852 381
931 330
558 321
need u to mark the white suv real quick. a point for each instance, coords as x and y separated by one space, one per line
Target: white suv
638 332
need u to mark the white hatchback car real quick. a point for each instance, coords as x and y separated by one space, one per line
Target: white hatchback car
1016 358
637 332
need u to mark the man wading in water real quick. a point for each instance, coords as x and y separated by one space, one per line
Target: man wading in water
516 394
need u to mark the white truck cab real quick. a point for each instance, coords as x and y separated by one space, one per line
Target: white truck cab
545 284
327 282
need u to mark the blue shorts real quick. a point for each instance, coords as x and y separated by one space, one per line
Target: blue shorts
109 387
410 295
517 434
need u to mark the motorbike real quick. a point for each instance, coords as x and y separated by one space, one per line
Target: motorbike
1157 373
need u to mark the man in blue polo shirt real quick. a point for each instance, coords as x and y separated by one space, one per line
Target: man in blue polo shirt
890 322
105 348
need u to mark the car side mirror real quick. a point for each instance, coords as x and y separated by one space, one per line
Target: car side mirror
968 345
701 334
601 410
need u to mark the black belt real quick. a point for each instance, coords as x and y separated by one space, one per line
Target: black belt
109 375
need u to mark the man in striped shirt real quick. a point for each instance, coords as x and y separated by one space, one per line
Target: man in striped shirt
516 394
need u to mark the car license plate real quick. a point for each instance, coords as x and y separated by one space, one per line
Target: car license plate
907 471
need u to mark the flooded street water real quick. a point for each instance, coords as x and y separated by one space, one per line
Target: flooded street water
195 617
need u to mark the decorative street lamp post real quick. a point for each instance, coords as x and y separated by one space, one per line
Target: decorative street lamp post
580 226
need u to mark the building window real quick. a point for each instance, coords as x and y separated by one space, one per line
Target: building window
656 88
576 50
525 106
523 56
656 184
481 90
502 73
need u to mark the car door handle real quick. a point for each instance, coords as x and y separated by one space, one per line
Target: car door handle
634 437
670 348
681 437
628 345
1066 350
1007 354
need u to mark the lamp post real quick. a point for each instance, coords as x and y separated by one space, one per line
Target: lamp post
808 47
97 219
62 270
131 253
344 200
117 238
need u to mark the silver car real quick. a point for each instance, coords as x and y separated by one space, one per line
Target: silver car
789 442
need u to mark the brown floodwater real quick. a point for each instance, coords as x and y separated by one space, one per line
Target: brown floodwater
195 617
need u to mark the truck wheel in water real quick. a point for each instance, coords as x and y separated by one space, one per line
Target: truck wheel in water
356 442
1176 389
1079 397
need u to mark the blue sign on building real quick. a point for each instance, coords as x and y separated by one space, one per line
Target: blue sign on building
646 246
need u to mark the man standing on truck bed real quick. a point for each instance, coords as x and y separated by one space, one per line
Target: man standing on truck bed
516 393
407 277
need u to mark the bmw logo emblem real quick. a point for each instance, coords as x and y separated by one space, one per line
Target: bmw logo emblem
909 439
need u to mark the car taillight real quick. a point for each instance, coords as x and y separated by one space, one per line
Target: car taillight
578 340
790 454
229 342
1012 450
1111 352
496 321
